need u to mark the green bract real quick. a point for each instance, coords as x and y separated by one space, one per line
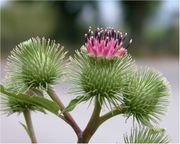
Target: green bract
100 77
146 95
35 63
146 135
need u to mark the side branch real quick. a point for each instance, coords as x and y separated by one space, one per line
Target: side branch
92 125
67 117
111 114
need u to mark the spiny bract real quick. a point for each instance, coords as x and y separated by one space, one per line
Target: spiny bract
146 95
35 63
100 77
146 135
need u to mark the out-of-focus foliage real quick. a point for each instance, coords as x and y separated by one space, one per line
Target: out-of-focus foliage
22 17
163 41
67 15
57 20
22 20
136 12
149 40
65 22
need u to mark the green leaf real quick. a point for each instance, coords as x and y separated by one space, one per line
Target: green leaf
25 127
35 100
73 103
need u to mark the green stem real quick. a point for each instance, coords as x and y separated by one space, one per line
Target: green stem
68 118
92 125
27 116
110 114
96 121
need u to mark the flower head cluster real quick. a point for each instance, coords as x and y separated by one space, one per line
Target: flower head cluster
100 71
106 43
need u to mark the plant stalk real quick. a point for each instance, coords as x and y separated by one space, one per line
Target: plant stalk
92 125
27 116
111 114
69 119
95 122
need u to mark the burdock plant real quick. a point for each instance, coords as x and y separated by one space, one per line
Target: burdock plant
103 74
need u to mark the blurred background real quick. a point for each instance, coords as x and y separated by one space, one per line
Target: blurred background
153 26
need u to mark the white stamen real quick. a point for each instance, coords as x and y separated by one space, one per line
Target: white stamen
130 41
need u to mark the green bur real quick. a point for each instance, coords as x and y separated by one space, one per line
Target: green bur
101 78
36 63
146 96
33 66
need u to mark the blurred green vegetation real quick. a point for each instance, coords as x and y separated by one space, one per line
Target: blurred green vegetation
63 21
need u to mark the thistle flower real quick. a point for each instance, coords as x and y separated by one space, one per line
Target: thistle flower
99 70
106 43
35 63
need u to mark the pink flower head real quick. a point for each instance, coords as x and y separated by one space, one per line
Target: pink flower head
106 43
